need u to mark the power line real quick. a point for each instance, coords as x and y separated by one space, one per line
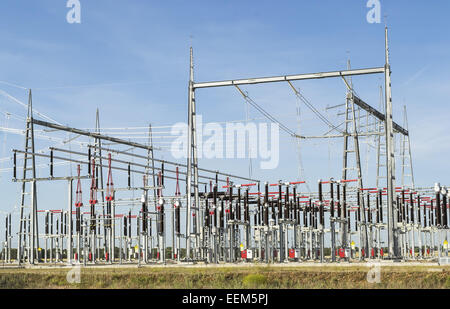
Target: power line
266 114
314 110
15 100
96 85
13 85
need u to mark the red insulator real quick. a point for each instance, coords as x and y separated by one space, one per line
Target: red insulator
93 199
78 195
109 184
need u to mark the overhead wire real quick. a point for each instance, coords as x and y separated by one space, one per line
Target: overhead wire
13 85
313 109
266 114
15 100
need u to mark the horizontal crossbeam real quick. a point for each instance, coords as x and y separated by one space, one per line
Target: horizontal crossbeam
286 78
379 115
89 134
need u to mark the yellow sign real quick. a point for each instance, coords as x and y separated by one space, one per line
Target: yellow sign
136 248
445 244
39 249
353 245
242 247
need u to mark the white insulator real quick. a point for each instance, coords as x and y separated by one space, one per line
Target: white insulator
437 187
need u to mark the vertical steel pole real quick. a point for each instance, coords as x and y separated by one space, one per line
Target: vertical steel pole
113 231
360 182
120 241
138 239
98 142
332 224
199 234
173 232
10 237
392 236
189 159
33 222
35 231
51 237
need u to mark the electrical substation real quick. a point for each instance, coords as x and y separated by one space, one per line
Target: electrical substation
216 217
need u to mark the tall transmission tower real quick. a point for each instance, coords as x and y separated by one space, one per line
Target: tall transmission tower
32 221
407 165
381 147
351 130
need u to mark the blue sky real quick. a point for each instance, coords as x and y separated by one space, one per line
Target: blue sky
130 59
